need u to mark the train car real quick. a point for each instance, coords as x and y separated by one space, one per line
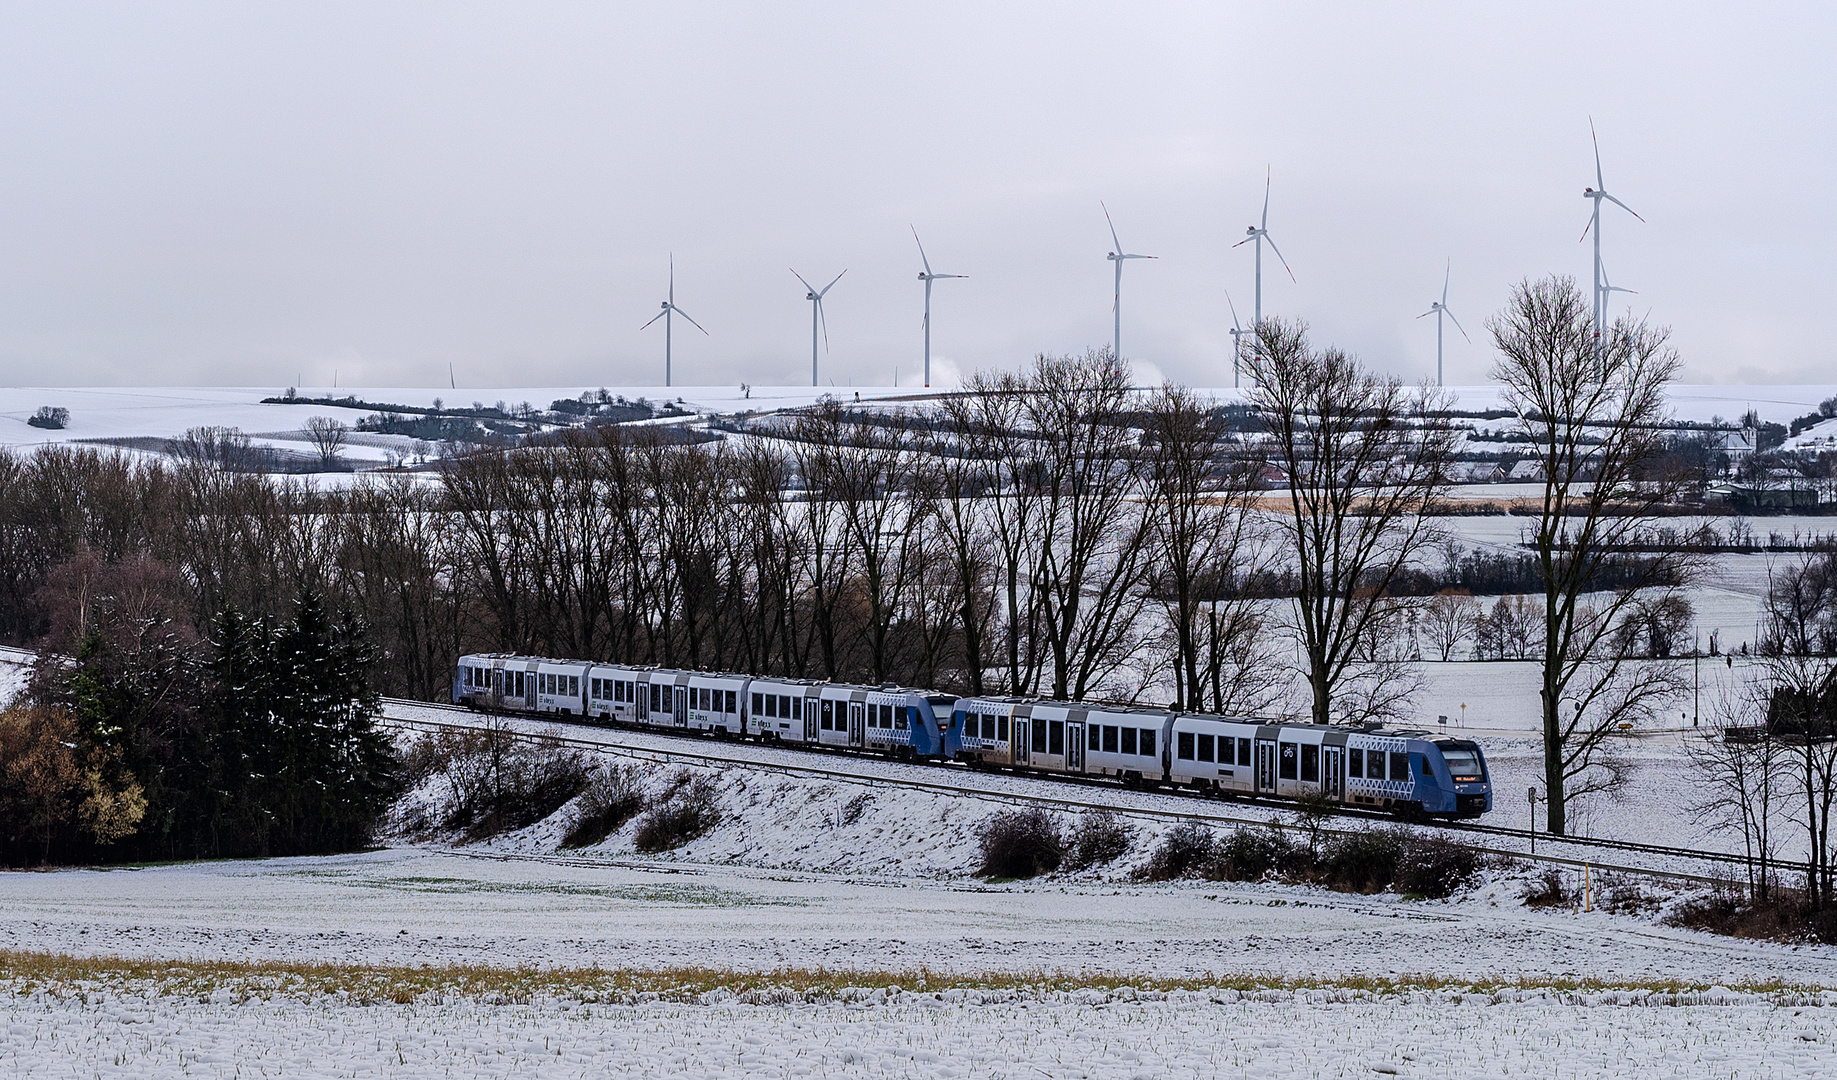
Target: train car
1405 772
496 682
983 729
903 723
1125 744
786 710
716 703
619 693
561 687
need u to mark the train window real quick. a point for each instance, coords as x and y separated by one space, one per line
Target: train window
1285 761
1310 763
1148 742
1003 729
1355 762
733 704
1400 766
1205 748
1039 736
989 725
1096 731
1129 740
1186 746
784 706
574 685
1225 753
1058 737
899 720
1109 739
1243 751
758 704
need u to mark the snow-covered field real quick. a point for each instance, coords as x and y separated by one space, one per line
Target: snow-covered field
1271 1034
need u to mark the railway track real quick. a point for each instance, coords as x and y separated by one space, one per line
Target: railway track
709 753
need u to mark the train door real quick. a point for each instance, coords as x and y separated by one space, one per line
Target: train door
1266 766
496 696
1074 746
679 703
643 707
810 718
857 730
1332 772
1018 746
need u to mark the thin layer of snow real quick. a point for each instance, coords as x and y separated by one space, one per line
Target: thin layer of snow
105 1032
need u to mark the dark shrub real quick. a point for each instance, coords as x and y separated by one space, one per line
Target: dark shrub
686 809
53 417
1546 890
1100 837
1020 844
614 795
502 780
1184 851
1435 866
1248 853
1364 861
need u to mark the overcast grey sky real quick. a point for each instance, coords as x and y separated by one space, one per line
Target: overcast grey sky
236 193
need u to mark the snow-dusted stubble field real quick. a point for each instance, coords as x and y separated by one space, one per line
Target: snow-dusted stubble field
1270 1034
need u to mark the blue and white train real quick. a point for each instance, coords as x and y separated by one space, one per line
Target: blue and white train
1404 772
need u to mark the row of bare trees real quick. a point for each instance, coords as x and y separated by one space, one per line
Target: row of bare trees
1052 531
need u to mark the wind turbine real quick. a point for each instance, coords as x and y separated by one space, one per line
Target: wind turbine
1117 257
670 310
928 277
1609 287
815 297
1238 334
1260 233
1597 193
1438 309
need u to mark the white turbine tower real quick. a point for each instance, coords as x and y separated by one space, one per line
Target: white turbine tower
928 277
1597 193
1117 257
1260 233
1438 309
815 296
670 310
1238 334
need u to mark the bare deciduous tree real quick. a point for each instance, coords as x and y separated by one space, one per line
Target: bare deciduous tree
1449 619
1364 459
328 436
1741 768
1588 408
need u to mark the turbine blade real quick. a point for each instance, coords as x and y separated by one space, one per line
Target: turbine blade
1446 273
1428 313
831 285
824 319
1278 251
800 277
1106 217
1268 173
921 246
1458 326
1244 241
1591 223
685 315
1600 184
1234 323
1621 205
655 317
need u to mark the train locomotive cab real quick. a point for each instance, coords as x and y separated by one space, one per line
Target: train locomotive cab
496 682
902 723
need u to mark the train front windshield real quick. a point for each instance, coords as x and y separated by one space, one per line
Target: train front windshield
1463 762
